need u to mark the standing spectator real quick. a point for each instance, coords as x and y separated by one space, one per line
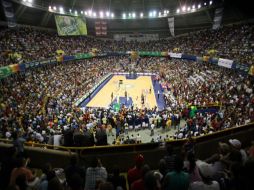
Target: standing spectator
72 169
47 175
101 136
18 143
207 182
135 173
117 180
139 184
236 144
177 179
95 173
169 158
191 167
21 169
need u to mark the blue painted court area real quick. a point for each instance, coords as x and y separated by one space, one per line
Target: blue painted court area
158 92
131 76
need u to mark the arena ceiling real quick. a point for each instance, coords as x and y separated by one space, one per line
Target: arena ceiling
40 16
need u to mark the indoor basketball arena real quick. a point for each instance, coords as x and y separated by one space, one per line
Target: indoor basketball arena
126 95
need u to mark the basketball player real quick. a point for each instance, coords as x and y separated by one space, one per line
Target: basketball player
142 99
112 96
125 95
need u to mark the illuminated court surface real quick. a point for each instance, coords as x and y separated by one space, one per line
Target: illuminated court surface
133 87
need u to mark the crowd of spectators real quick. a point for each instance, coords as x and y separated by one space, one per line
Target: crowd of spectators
39 105
230 168
233 42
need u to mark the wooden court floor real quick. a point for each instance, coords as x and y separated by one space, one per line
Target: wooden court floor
133 87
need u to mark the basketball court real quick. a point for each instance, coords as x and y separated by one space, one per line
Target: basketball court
116 89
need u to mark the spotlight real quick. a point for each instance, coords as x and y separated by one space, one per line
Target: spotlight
54 8
70 10
101 14
94 14
188 9
134 15
129 14
30 1
154 13
81 12
199 6
124 15
76 12
159 13
211 2
205 4
141 15
107 14
112 15
50 8
150 14
193 6
183 8
178 11
85 13
90 12
61 9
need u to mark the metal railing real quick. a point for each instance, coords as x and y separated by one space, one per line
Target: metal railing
134 147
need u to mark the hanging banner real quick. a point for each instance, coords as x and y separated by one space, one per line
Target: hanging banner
171 25
225 63
83 56
5 72
217 18
175 55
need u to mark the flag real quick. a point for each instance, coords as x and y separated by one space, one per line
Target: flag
217 18
5 72
14 68
251 71
171 25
